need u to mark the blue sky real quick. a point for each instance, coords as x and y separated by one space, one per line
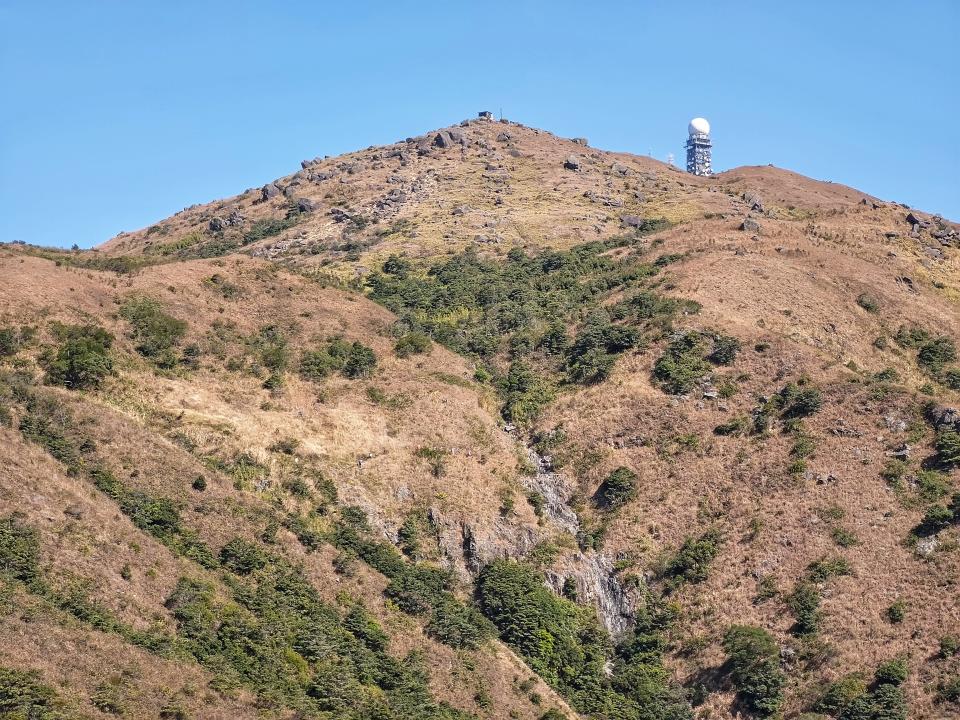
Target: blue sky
116 114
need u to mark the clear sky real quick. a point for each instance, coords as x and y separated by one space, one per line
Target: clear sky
118 113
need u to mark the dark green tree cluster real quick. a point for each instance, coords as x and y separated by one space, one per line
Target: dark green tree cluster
850 698
155 332
82 359
753 657
353 360
24 695
693 559
521 309
568 647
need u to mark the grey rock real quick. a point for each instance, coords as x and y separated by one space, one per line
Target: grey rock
442 139
631 220
504 136
944 418
74 511
750 225
581 141
305 205
236 219
217 224
269 191
753 201
572 163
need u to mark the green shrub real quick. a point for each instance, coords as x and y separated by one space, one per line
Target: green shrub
505 310
801 402
804 603
897 612
909 336
951 378
19 550
242 557
82 359
844 538
268 227
932 355
892 672
948 447
725 349
24 696
526 393
9 341
840 694
590 358
692 561
109 698
682 364
619 487
754 660
360 362
737 425
318 364
412 343
949 646
948 691
868 302
827 568
155 333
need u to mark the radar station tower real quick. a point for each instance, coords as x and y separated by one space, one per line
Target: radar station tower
699 147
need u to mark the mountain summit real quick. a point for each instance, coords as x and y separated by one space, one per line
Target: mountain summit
487 423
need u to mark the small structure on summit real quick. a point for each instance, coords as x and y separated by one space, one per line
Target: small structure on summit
699 147
485 115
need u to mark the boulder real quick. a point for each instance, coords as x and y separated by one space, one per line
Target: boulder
750 225
457 136
305 205
217 224
268 191
443 139
236 219
572 163
631 220
753 201
916 221
581 141
944 418
504 137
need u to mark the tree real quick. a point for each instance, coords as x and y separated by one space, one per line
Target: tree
754 659
619 487
83 358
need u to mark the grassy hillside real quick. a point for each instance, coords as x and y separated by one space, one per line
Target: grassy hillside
487 423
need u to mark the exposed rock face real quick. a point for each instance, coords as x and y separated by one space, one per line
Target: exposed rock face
217 224
590 571
572 163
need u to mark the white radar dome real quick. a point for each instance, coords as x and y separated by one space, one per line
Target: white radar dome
698 126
